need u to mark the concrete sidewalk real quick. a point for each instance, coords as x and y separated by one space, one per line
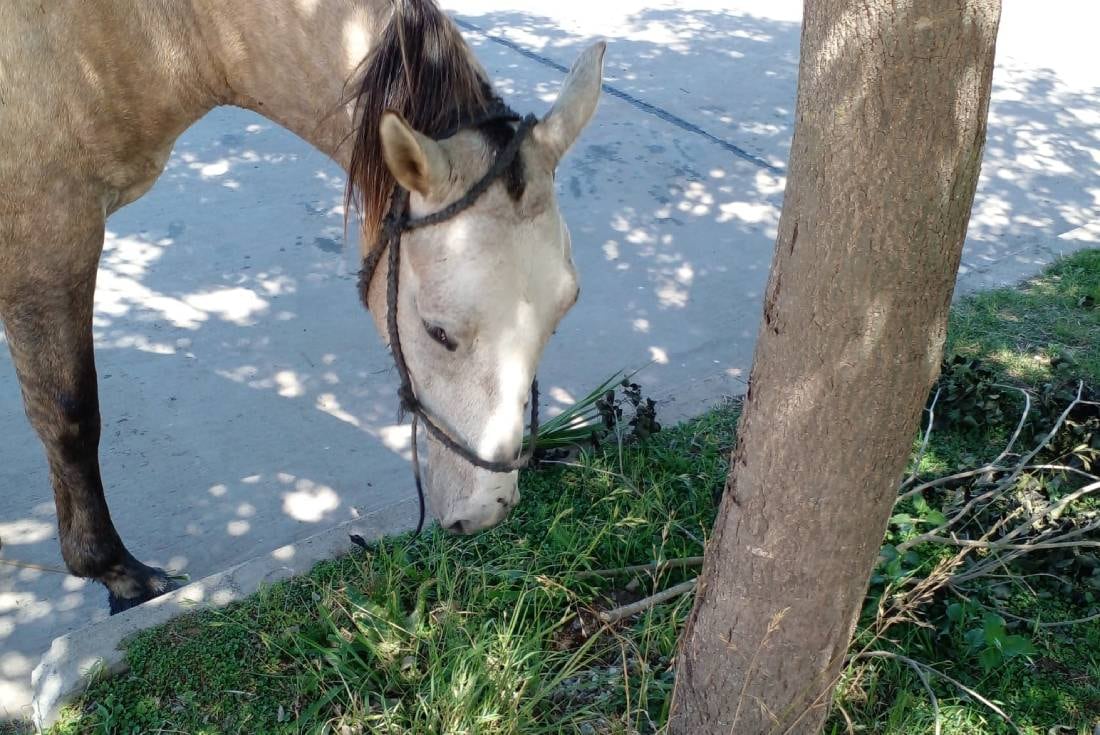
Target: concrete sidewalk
248 402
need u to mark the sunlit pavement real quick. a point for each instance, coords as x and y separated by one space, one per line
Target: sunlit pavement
248 402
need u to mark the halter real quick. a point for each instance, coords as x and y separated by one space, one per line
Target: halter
397 222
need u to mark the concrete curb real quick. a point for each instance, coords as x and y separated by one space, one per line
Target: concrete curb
64 670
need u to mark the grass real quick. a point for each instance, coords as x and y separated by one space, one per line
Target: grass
499 633
1047 328
490 634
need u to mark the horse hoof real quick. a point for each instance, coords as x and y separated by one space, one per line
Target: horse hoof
149 582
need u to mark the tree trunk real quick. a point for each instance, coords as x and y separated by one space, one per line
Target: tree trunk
891 120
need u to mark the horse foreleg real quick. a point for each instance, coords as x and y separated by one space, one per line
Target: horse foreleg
46 307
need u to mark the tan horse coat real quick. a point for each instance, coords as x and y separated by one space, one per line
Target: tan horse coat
94 93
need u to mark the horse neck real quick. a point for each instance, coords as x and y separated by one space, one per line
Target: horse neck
291 60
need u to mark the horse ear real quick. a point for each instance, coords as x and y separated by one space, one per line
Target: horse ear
416 161
579 94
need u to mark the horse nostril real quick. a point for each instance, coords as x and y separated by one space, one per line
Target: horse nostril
456 527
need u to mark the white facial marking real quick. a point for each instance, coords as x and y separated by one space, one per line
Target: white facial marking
504 426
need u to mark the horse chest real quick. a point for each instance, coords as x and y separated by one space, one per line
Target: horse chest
129 178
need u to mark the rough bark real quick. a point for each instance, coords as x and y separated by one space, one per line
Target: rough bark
891 121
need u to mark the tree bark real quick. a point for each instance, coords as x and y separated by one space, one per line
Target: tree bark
891 121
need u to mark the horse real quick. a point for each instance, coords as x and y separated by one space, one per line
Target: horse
93 94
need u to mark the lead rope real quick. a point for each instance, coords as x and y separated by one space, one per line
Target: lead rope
396 223
416 476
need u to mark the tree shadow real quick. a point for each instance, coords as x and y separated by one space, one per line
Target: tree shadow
1038 196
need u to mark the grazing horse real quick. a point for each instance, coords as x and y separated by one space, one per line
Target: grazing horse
93 94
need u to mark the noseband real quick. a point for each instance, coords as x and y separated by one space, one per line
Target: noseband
399 221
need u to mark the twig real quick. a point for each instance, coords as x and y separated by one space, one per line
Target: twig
656 567
1033 622
691 535
1052 509
980 570
773 625
1001 546
1015 577
626 672
931 697
917 664
1065 623
1003 485
998 489
924 442
990 469
35 567
923 680
847 718
949 478
612 616
1026 459
1063 468
1017 550
993 466
996 560
1019 425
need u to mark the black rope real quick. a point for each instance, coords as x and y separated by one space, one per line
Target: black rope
502 161
396 222
416 477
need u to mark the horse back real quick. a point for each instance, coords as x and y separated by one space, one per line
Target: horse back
92 95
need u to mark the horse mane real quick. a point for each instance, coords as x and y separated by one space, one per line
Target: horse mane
421 68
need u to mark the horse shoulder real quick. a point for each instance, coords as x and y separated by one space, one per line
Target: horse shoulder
94 93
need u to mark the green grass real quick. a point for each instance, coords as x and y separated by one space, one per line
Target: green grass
1058 684
1047 328
497 633
489 634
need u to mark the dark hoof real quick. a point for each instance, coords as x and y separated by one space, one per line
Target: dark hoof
143 584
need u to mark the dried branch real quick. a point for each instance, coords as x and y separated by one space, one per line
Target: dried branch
1063 468
917 664
1026 459
1000 545
989 495
1065 623
999 488
612 616
924 442
851 728
994 466
947 479
989 469
1051 510
1033 622
1019 424
656 567
1059 541
931 695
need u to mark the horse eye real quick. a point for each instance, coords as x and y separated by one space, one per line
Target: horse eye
440 336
